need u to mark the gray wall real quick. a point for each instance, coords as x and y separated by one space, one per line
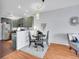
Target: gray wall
58 23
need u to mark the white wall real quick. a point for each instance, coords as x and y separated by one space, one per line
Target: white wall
58 23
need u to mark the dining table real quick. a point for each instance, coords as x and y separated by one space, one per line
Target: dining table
39 40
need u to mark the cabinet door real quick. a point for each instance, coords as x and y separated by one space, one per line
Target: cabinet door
28 22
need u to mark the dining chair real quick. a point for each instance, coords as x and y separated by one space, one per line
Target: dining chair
31 40
39 41
45 39
73 43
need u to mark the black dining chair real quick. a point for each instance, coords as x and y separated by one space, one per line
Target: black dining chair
30 39
46 38
39 42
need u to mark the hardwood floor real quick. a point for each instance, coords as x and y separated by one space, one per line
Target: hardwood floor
6 48
55 51
19 55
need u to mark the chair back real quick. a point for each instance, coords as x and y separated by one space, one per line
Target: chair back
68 38
47 35
29 36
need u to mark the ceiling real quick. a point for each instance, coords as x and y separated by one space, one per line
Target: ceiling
28 6
57 4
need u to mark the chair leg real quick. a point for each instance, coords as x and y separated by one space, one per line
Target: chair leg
47 42
42 46
70 48
76 52
29 44
73 49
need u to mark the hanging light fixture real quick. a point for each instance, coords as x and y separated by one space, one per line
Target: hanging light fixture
38 8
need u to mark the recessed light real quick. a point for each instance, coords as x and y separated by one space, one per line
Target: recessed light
24 13
19 6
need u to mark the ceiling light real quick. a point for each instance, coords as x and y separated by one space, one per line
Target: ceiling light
19 6
25 14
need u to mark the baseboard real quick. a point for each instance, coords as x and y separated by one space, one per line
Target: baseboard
60 44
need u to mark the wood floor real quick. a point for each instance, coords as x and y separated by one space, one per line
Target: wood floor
6 48
55 51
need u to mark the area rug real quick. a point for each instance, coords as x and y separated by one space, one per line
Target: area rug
38 52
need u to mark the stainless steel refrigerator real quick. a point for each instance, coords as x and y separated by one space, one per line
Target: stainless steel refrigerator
5 31
5 28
